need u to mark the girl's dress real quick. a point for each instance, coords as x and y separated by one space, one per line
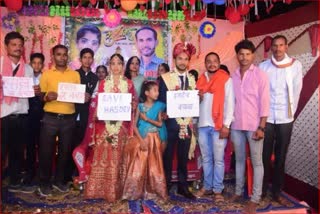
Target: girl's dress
145 176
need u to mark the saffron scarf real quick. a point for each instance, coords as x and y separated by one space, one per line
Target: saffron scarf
215 86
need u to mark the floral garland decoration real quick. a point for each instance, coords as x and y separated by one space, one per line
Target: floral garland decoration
113 127
11 21
207 29
112 18
174 84
183 123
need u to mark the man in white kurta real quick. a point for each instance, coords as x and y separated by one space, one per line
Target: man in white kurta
14 110
285 77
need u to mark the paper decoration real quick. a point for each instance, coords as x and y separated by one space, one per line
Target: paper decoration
138 14
36 10
10 21
112 18
207 29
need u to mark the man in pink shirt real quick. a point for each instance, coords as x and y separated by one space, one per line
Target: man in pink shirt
251 89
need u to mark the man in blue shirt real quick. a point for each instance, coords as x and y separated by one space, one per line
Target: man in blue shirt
147 41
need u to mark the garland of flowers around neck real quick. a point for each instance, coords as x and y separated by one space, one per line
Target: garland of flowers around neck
174 85
113 127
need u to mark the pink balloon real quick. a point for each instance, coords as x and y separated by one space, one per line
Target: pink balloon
288 1
228 11
93 2
234 17
15 5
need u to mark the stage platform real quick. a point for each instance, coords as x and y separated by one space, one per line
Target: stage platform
73 202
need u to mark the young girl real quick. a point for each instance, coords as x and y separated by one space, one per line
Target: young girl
145 175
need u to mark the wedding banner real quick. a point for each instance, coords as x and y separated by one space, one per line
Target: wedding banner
105 41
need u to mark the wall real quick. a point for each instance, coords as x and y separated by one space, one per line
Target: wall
302 158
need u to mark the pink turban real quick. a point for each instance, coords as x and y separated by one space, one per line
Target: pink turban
187 48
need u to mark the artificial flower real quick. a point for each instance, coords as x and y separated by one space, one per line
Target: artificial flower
112 18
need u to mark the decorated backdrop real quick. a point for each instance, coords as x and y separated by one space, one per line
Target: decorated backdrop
43 32
209 35
39 32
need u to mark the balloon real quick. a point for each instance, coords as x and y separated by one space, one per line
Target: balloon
93 2
192 2
128 5
142 1
228 11
219 2
288 1
234 17
15 5
208 1
243 9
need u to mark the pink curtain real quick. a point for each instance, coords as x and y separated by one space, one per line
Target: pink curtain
267 45
313 33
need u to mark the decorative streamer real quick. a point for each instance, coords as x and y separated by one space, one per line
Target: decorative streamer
256 8
199 46
34 39
60 38
41 42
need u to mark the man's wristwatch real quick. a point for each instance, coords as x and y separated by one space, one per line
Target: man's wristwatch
261 128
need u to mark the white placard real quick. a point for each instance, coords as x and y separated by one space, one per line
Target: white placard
71 93
182 103
18 87
114 106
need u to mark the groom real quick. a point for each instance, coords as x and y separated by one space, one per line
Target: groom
179 129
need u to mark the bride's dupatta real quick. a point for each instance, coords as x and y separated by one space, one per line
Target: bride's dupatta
82 154
107 168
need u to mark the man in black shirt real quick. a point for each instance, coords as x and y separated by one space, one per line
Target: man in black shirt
89 79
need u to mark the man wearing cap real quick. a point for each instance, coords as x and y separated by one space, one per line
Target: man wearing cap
179 129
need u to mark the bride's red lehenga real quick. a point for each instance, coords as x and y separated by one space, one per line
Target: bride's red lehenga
107 168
